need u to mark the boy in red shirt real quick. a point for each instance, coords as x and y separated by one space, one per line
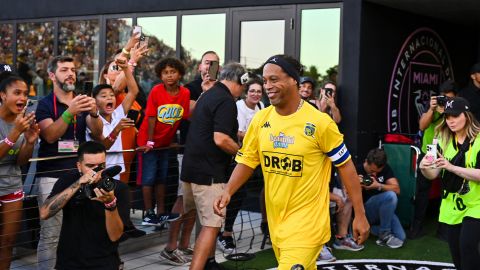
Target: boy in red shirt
167 104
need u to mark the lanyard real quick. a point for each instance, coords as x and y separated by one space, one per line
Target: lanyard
74 117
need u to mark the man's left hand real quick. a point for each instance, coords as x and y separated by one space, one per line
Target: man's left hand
104 196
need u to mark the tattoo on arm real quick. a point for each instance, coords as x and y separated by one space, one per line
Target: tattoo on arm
57 202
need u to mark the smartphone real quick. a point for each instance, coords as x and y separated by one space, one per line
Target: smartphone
431 154
328 92
133 115
87 88
213 70
137 29
143 41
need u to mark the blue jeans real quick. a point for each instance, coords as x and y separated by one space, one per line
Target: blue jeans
154 167
380 210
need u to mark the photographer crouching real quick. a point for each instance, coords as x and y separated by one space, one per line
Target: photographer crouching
94 212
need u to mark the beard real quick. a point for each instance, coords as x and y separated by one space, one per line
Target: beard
64 86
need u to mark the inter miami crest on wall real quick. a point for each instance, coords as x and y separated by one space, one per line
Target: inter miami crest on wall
423 63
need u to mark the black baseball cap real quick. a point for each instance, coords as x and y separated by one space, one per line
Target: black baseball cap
456 106
475 68
5 68
307 79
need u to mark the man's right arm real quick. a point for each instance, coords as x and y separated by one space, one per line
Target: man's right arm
224 142
349 177
239 176
55 203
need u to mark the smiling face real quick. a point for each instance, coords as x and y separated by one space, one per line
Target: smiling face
15 96
105 100
254 93
306 90
280 87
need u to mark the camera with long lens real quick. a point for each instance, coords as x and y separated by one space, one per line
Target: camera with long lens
442 100
366 180
106 182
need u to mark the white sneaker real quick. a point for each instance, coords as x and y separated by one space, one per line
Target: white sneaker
326 255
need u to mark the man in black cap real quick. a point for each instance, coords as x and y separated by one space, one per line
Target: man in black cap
472 91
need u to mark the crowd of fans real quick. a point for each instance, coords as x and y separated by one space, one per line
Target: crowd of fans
115 124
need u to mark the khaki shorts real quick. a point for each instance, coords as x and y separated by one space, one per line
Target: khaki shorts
201 198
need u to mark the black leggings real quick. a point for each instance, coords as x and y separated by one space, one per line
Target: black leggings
464 243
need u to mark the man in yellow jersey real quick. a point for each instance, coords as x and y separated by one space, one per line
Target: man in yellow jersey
295 144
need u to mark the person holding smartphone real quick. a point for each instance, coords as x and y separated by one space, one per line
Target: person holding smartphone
459 171
427 123
18 135
328 94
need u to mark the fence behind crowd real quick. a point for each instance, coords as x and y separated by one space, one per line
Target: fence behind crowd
247 221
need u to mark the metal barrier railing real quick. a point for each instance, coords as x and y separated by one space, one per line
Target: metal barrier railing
30 220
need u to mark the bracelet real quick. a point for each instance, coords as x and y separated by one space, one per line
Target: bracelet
380 187
95 115
125 51
7 141
150 144
132 63
67 117
111 205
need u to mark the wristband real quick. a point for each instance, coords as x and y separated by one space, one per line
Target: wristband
112 137
132 63
150 144
7 141
67 117
111 205
125 51
380 187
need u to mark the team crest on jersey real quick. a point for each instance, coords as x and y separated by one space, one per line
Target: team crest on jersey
282 140
309 129
169 113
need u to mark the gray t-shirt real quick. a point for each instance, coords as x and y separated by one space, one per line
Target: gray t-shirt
10 173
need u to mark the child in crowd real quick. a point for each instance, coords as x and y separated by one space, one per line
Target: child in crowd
167 104
115 118
18 134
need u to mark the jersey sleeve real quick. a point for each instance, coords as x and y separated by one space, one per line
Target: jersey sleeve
331 142
248 154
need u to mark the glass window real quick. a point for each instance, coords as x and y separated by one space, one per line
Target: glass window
195 42
256 41
320 42
6 50
34 51
80 39
118 33
162 42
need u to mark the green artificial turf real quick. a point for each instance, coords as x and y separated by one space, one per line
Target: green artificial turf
426 248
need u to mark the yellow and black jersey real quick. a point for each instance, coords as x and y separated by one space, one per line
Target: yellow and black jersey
296 154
